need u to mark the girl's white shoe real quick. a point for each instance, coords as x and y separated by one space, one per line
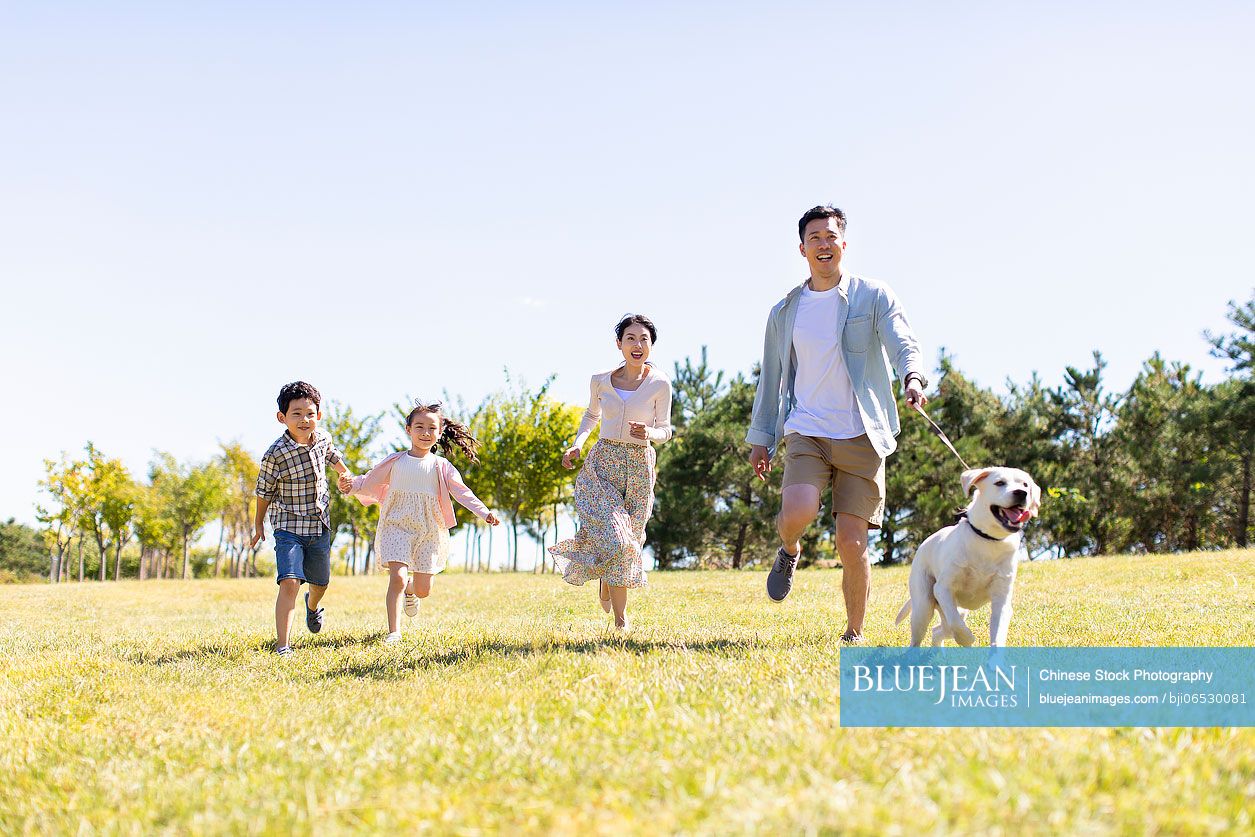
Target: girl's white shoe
411 605
393 638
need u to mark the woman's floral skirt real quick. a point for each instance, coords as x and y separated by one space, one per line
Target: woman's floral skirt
614 497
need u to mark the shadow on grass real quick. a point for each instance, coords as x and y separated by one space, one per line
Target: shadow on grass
241 650
409 660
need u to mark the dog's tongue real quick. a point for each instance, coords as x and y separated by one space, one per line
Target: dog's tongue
1017 515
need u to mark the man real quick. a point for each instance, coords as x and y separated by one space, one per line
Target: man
825 390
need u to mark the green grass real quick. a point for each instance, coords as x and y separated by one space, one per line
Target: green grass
150 706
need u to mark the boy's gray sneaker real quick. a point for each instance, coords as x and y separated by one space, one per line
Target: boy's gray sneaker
313 618
780 579
285 651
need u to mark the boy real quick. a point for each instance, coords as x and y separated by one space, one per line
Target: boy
292 486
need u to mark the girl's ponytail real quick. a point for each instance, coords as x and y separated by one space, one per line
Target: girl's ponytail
455 434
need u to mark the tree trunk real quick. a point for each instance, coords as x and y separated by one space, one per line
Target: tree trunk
217 555
738 551
888 535
117 561
104 558
81 568
54 567
514 530
1244 500
1191 532
540 555
553 567
185 534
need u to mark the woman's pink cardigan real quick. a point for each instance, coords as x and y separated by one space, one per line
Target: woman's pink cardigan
372 487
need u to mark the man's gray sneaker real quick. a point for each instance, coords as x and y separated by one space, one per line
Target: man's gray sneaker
780 579
313 618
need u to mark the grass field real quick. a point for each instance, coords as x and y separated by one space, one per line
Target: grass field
143 707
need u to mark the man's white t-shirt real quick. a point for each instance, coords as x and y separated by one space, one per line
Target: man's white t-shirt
825 397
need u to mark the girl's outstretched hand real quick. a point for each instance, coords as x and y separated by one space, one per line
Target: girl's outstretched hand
492 519
570 457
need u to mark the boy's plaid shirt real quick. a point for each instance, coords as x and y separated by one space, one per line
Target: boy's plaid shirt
294 479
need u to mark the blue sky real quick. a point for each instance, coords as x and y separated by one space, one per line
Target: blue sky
198 204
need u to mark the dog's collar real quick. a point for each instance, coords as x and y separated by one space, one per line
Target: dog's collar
978 531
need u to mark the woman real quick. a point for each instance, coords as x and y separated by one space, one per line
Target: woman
614 492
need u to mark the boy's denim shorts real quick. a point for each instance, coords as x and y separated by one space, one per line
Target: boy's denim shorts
304 557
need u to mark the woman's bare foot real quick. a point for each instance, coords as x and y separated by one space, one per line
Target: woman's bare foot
603 595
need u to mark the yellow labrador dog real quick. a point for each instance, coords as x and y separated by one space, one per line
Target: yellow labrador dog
961 567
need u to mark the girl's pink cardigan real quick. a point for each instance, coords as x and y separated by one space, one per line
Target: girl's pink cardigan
372 487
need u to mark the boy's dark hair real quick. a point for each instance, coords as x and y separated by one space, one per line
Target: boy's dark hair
298 389
817 212
452 434
636 319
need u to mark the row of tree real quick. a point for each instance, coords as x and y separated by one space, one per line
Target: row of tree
1163 466
99 521
94 509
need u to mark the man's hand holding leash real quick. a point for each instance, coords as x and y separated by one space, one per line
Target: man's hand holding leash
915 397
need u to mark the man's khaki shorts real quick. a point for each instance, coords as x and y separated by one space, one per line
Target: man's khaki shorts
851 466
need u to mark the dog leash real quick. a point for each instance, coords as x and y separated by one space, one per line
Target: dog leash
919 408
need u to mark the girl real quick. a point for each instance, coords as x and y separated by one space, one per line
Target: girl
412 488
614 492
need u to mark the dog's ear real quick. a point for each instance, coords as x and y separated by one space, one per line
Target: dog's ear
970 478
1034 498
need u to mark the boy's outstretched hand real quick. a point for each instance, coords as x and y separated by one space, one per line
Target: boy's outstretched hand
492 519
345 483
259 534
